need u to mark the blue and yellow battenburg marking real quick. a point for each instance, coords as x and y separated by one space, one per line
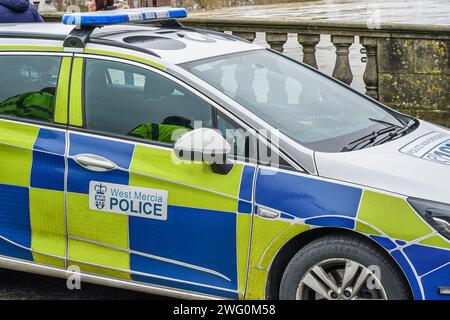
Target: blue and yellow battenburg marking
202 217
304 201
32 224
203 245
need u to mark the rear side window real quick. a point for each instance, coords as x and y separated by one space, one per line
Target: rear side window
28 86
126 100
123 78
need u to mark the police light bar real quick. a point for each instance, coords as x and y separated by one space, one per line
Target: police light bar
103 18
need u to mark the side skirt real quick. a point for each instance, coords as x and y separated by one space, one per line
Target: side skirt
26 266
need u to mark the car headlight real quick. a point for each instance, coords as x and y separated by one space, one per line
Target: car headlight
435 213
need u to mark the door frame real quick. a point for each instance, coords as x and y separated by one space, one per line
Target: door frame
59 124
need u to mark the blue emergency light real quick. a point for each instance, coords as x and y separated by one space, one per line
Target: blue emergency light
103 18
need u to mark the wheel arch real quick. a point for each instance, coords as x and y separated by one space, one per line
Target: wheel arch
296 243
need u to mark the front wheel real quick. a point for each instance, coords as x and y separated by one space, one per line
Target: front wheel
342 267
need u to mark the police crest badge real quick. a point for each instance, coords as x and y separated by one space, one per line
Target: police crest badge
100 191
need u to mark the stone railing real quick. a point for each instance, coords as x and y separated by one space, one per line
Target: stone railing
407 67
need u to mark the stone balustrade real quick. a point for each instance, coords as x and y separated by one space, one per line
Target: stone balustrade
407 67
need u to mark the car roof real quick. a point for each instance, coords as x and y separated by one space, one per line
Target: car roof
173 44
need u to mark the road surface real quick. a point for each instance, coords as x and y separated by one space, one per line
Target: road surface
16 285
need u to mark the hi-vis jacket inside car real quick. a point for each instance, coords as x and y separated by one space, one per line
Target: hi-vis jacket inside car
92 174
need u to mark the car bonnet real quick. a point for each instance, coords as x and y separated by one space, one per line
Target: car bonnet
416 165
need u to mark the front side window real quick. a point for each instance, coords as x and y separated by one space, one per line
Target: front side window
303 104
126 100
28 86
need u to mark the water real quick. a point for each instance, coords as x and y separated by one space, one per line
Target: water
427 12
436 12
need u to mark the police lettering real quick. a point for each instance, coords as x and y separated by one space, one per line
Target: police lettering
136 207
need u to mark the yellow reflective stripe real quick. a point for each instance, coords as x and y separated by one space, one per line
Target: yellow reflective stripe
392 216
256 287
263 233
44 259
280 241
126 56
76 106
18 134
48 225
364 228
99 259
185 196
16 142
102 227
32 48
159 163
15 164
436 241
62 91
243 238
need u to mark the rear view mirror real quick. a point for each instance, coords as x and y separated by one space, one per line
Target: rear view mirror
206 145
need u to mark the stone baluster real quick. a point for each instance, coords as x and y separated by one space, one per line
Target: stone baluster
276 40
342 70
309 43
370 76
249 36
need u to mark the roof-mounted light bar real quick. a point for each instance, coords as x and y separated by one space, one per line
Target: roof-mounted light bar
86 22
110 17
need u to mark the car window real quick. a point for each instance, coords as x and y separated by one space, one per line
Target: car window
126 100
236 136
123 78
303 104
28 86
247 146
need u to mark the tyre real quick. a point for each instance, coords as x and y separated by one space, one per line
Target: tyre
342 267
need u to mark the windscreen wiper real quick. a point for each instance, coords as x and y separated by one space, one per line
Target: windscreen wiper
369 139
396 133
383 122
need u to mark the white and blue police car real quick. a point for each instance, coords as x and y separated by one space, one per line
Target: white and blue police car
194 164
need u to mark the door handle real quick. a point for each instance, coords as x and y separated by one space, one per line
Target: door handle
94 162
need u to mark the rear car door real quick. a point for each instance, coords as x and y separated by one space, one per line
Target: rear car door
133 211
33 115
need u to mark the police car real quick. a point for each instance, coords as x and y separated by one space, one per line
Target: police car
194 164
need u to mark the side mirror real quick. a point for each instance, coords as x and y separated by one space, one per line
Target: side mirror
205 145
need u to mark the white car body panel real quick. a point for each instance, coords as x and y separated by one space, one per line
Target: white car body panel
196 45
382 167
385 167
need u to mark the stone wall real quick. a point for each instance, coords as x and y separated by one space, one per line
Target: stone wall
414 77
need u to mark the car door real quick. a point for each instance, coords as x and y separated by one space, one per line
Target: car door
136 213
33 109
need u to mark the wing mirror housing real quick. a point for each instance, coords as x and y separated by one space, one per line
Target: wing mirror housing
205 145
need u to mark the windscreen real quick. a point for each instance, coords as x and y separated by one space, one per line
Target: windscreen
309 107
